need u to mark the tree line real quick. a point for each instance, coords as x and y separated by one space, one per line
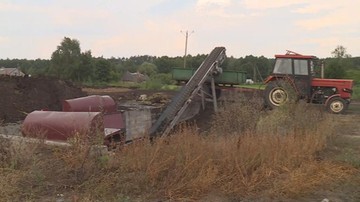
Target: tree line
70 63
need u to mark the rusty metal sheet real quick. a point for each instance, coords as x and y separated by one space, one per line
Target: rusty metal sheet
114 120
93 103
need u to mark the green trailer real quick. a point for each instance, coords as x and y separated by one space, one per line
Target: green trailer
225 78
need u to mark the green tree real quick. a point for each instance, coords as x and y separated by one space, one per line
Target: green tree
194 62
103 70
340 52
336 67
164 64
129 65
148 68
65 59
86 69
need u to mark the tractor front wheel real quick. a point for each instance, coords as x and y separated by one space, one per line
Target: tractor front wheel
336 105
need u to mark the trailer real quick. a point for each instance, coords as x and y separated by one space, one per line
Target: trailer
225 78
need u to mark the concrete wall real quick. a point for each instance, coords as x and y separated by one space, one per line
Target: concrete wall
138 122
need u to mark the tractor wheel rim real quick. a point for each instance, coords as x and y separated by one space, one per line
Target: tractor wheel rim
337 106
278 96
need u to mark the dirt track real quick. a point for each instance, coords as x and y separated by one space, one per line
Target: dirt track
345 148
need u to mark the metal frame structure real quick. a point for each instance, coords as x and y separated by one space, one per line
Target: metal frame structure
172 114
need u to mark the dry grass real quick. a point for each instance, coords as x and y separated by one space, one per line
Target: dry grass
310 176
236 115
258 153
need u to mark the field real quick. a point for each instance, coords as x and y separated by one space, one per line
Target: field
243 153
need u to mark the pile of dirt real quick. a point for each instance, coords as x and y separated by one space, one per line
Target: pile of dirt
21 95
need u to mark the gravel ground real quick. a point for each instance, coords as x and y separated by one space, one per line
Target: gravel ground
11 129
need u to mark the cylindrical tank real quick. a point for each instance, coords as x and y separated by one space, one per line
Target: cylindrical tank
53 125
93 103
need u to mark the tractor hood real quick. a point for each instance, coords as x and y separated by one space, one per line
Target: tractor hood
343 86
346 83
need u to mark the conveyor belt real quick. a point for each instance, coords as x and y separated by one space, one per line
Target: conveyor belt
177 106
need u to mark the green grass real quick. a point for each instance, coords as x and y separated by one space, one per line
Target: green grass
148 85
356 93
157 85
254 86
353 74
124 84
170 87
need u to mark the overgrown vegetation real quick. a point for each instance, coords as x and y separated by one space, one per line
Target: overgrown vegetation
356 92
249 153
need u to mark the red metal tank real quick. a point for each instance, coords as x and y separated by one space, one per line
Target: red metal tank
93 103
53 125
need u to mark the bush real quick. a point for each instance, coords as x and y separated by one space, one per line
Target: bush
237 114
297 117
159 82
353 74
356 92
152 84
164 78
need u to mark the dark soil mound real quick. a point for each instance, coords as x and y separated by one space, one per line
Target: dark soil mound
20 95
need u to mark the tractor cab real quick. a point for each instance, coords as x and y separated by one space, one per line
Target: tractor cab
296 69
294 64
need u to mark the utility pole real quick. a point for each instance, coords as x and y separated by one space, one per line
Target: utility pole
187 34
254 74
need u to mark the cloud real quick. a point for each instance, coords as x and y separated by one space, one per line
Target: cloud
331 14
150 38
9 7
270 4
125 28
74 17
331 20
204 3
313 14
324 45
3 39
316 7
213 8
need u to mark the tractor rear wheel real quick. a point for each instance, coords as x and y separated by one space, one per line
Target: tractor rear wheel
336 105
277 94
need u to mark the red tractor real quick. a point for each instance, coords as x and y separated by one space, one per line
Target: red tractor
292 79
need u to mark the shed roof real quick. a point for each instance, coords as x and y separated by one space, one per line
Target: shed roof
11 71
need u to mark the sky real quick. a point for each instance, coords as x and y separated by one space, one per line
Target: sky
117 28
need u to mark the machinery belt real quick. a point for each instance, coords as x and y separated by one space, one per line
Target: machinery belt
179 102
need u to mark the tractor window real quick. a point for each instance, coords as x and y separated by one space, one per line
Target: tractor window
283 66
301 67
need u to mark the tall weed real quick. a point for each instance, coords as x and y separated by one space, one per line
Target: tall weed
248 153
237 114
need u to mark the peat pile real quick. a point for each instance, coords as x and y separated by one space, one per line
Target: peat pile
21 95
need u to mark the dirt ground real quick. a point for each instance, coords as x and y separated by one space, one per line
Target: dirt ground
123 95
20 96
